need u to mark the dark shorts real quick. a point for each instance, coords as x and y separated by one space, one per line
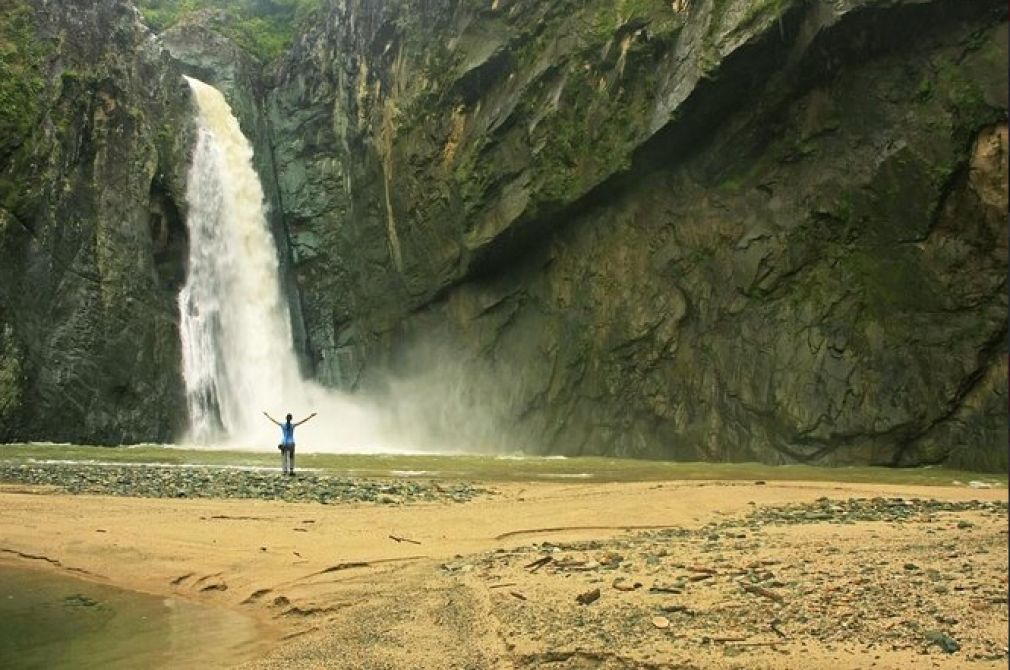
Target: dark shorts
286 447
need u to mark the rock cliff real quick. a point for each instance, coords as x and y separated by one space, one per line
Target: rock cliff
92 233
704 230
709 229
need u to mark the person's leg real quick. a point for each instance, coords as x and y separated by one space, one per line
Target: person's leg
286 457
291 464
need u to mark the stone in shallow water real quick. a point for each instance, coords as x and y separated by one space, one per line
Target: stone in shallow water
78 600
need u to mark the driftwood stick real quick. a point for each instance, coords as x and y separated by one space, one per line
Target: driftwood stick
539 563
399 540
763 592
702 569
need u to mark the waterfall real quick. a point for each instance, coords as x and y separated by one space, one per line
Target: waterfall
237 354
238 358
236 333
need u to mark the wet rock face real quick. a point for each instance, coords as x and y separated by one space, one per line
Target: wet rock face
713 230
92 233
717 229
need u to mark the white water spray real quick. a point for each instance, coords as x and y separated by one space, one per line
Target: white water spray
238 358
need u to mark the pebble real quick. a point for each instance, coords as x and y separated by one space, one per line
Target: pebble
868 509
588 597
819 602
944 641
153 481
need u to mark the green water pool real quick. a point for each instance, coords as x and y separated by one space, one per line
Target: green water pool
55 622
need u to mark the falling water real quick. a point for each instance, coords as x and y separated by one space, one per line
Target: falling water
237 353
236 333
238 358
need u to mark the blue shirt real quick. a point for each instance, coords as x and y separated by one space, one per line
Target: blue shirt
288 433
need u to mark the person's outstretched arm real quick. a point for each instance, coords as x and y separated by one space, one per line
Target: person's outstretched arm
273 419
305 419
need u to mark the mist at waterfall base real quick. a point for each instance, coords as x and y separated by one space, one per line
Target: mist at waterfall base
235 328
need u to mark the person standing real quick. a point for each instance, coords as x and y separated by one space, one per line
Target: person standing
287 445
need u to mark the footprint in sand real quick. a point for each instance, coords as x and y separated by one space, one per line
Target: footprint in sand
255 596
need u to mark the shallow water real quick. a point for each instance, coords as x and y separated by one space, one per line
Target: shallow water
491 467
53 621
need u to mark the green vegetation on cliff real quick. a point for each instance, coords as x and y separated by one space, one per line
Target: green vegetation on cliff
21 80
263 27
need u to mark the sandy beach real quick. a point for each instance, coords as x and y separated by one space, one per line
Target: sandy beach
689 574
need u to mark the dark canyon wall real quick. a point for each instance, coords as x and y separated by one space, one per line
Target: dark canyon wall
712 230
96 130
721 230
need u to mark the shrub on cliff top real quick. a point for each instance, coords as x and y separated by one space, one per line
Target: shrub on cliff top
265 28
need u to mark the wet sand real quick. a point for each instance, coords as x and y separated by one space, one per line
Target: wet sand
330 586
